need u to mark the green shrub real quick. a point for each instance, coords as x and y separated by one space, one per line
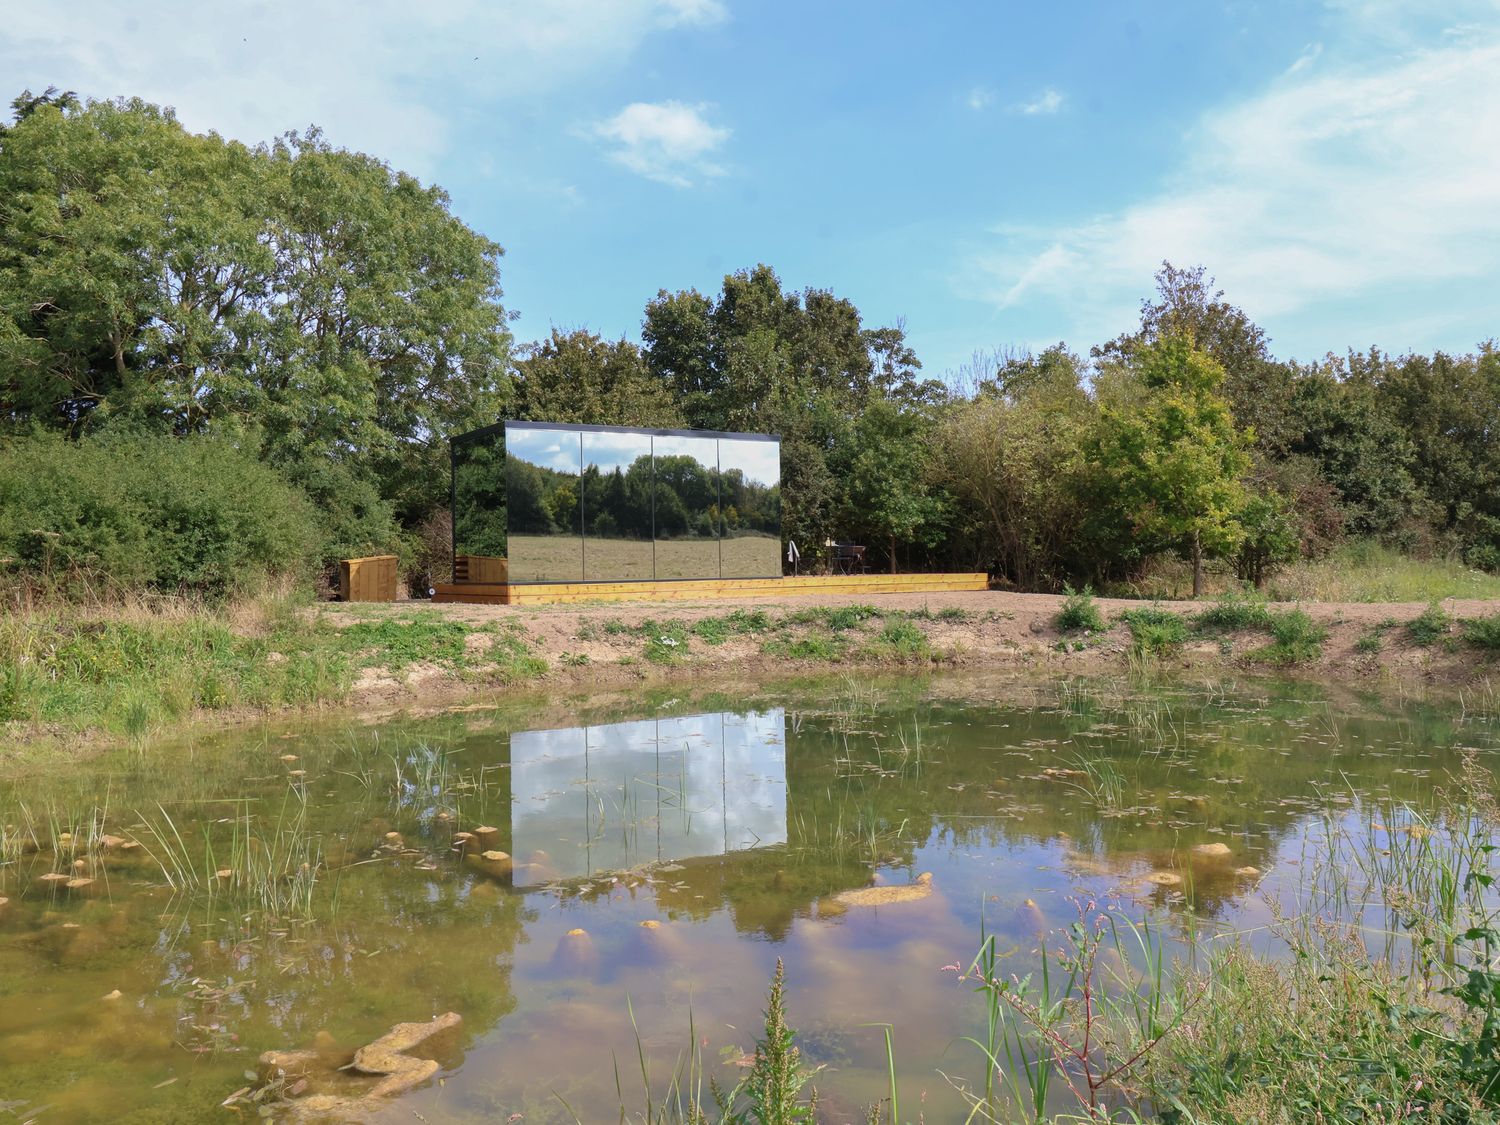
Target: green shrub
814 647
1429 628
902 639
1483 632
1155 631
1369 642
1295 639
1234 614
120 514
1079 614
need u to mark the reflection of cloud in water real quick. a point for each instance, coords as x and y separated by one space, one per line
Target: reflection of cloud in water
615 796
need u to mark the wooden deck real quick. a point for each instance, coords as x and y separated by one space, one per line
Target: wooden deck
554 593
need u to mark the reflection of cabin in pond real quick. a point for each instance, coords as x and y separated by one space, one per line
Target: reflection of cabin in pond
592 800
550 512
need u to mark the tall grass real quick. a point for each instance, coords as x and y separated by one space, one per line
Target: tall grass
269 867
1364 572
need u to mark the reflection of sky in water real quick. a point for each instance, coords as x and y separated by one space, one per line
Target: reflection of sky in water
614 796
551 449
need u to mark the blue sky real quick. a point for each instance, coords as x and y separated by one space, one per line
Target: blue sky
994 175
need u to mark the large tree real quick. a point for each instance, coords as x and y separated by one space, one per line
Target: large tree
1257 387
580 377
151 277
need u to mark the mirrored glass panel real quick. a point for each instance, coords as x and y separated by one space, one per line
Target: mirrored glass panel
617 506
590 800
544 510
750 508
479 507
686 471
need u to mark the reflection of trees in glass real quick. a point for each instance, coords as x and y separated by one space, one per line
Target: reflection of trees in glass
541 501
749 507
617 503
479 496
687 497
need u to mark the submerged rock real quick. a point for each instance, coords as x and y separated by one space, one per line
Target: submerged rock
1164 879
575 954
388 1059
1030 920
1212 851
918 889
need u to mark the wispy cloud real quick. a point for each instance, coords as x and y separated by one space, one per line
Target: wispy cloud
980 97
1049 101
1331 184
694 13
664 141
385 76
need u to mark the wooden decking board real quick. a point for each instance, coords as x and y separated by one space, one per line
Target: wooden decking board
698 589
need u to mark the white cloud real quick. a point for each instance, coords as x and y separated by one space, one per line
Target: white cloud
980 97
385 76
696 13
1325 187
1048 102
665 141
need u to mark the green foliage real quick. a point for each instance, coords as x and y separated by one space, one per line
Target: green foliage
197 515
666 642
814 646
773 1091
1155 631
1429 627
1271 537
1012 459
1295 639
187 284
902 640
717 630
1166 457
1079 614
1233 613
887 498
1483 632
1369 643
580 377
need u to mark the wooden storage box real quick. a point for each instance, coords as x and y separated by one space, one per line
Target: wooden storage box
370 579
480 568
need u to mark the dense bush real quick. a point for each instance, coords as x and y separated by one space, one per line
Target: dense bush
144 512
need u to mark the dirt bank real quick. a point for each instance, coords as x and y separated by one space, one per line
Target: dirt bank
615 644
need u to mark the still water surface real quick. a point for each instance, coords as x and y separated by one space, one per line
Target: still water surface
734 825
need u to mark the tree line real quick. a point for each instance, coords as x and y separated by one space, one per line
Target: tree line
306 312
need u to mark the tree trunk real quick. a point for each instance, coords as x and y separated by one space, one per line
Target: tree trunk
893 554
1197 566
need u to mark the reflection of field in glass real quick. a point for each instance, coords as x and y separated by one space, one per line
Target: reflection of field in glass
617 560
750 555
560 558
546 558
687 558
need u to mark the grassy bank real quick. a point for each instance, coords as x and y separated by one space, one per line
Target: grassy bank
1354 572
130 670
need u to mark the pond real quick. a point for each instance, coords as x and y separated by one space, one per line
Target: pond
294 888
